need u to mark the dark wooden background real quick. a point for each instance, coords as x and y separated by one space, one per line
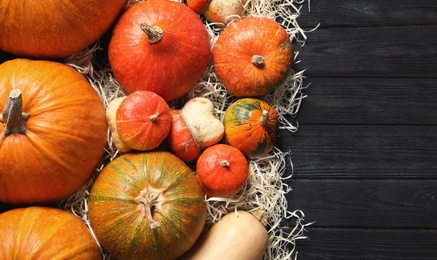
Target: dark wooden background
365 153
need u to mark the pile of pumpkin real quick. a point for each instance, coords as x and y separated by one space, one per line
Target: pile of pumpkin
147 203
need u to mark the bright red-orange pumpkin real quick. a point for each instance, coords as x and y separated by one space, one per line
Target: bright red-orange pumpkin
222 169
252 56
143 120
251 126
147 205
45 233
53 28
180 140
53 131
161 46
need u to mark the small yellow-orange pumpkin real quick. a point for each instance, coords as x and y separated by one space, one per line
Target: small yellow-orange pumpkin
53 28
251 126
252 56
53 128
45 233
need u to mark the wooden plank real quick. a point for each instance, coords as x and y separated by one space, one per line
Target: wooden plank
367 203
383 52
365 244
356 13
372 101
362 151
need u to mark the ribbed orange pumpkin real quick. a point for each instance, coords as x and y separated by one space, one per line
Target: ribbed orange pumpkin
53 153
45 233
147 205
53 28
252 56
251 126
161 46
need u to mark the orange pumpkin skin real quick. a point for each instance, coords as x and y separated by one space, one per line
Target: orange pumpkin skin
222 169
252 56
169 67
65 133
143 120
147 205
180 140
251 126
45 233
54 29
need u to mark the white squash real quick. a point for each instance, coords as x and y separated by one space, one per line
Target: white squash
206 129
223 11
116 139
236 236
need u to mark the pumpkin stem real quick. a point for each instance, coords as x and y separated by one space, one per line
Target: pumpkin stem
13 116
154 33
258 60
224 163
149 202
264 118
260 216
154 117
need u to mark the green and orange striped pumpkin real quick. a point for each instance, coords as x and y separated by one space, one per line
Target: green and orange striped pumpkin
147 205
251 126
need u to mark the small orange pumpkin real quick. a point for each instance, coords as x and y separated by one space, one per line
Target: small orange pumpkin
222 169
45 233
52 28
143 120
251 126
252 56
180 140
161 46
54 131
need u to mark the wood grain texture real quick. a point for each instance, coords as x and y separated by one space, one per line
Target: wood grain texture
369 101
371 13
365 244
359 152
369 203
365 156
370 52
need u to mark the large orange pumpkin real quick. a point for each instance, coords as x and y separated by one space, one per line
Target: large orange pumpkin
53 128
147 205
161 46
45 233
252 56
251 126
53 28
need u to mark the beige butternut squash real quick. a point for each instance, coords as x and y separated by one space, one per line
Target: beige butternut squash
236 236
